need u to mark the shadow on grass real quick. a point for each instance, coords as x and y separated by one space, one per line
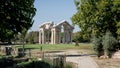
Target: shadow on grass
73 55
53 51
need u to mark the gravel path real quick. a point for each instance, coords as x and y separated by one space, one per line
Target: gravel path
82 61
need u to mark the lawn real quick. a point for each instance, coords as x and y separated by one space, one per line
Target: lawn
58 46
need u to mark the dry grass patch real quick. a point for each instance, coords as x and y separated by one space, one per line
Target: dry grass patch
107 63
71 65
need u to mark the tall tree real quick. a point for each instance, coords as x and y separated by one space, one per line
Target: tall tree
98 16
15 15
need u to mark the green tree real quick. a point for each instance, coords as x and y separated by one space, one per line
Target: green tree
15 15
97 16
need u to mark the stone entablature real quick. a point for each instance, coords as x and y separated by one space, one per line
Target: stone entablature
51 33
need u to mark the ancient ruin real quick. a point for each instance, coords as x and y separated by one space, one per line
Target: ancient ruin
50 33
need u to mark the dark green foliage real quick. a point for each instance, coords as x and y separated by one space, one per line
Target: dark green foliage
33 64
11 62
105 45
6 61
15 15
95 17
24 65
98 47
109 43
81 37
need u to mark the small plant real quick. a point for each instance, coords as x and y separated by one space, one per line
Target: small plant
76 43
68 65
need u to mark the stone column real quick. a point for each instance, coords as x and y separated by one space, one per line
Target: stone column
43 37
52 36
59 36
40 37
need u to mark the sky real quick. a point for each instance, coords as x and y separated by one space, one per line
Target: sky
53 10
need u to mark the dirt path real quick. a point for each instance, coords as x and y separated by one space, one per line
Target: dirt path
82 61
79 58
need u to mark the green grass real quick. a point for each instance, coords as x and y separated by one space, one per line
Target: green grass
58 46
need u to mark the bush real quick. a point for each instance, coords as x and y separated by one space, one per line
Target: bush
33 64
24 65
6 61
109 43
68 65
98 47
41 64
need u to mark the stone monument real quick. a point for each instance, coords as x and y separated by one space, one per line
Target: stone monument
50 33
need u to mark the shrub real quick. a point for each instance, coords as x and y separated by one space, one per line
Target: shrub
6 61
109 43
24 65
33 64
68 65
41 64
98 47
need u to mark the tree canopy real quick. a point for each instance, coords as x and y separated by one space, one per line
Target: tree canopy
98 16
15 15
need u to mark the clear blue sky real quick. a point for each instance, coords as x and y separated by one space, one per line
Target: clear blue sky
53 10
